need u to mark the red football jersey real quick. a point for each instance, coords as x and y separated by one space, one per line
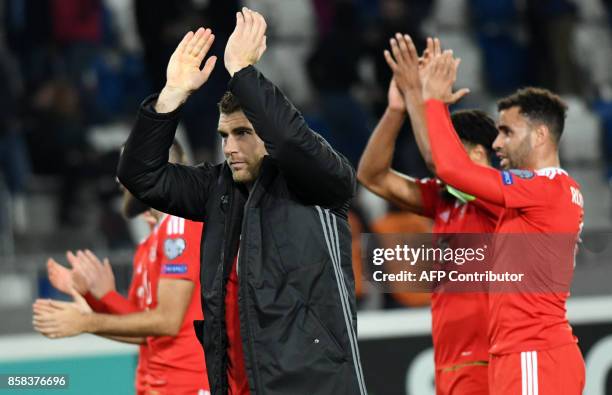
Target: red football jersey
115 303
139 280
236 372
175 361
459 320
542 207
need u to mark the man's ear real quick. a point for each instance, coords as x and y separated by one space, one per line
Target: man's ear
479 154
261 144
541 134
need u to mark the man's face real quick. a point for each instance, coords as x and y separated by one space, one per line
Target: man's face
513 144
242 147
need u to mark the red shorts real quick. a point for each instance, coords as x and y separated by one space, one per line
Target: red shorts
176 391
140 383
176 383
559 371
467 380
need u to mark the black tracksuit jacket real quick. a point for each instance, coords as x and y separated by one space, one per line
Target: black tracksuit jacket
296 287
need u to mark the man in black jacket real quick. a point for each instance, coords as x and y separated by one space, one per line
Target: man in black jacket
276 274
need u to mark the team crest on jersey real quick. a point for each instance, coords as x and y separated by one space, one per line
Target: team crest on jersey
174 248
524 174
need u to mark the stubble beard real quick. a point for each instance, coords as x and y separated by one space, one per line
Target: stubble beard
519 159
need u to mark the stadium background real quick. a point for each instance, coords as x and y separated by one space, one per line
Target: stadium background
72 73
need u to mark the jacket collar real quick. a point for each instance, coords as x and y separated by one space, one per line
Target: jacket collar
268 172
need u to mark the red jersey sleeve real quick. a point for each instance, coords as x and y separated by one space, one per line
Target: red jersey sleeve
181 249
115 303
453 165
524 188
96 305
430 194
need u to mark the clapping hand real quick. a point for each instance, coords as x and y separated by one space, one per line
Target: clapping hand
184 74
440 76
247 43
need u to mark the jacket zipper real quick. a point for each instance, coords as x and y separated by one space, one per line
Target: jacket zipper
224 284
242 285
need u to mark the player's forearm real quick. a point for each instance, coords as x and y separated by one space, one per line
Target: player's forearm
125 339
453 165
416 111
377 157
149 323
447 151
170 99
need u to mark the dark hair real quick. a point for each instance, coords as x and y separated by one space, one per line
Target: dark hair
229 104
475 127
539 105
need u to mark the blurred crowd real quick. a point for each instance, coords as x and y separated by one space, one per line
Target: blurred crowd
73 72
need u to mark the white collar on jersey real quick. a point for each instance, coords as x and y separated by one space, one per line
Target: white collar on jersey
550 172
159 222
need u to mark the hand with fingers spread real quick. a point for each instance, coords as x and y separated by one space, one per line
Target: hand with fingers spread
98 275
247 43
55 319
184 74
404 62
63 279
396 99
60 277
439 78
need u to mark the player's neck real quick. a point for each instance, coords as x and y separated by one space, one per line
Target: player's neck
157 214
547 161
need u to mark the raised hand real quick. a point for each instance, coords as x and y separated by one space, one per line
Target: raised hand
247 43
433 50
184 71
78 281
439 78
184 74
404 62
60 277
98 275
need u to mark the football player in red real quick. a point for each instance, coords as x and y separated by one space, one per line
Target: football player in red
163 302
